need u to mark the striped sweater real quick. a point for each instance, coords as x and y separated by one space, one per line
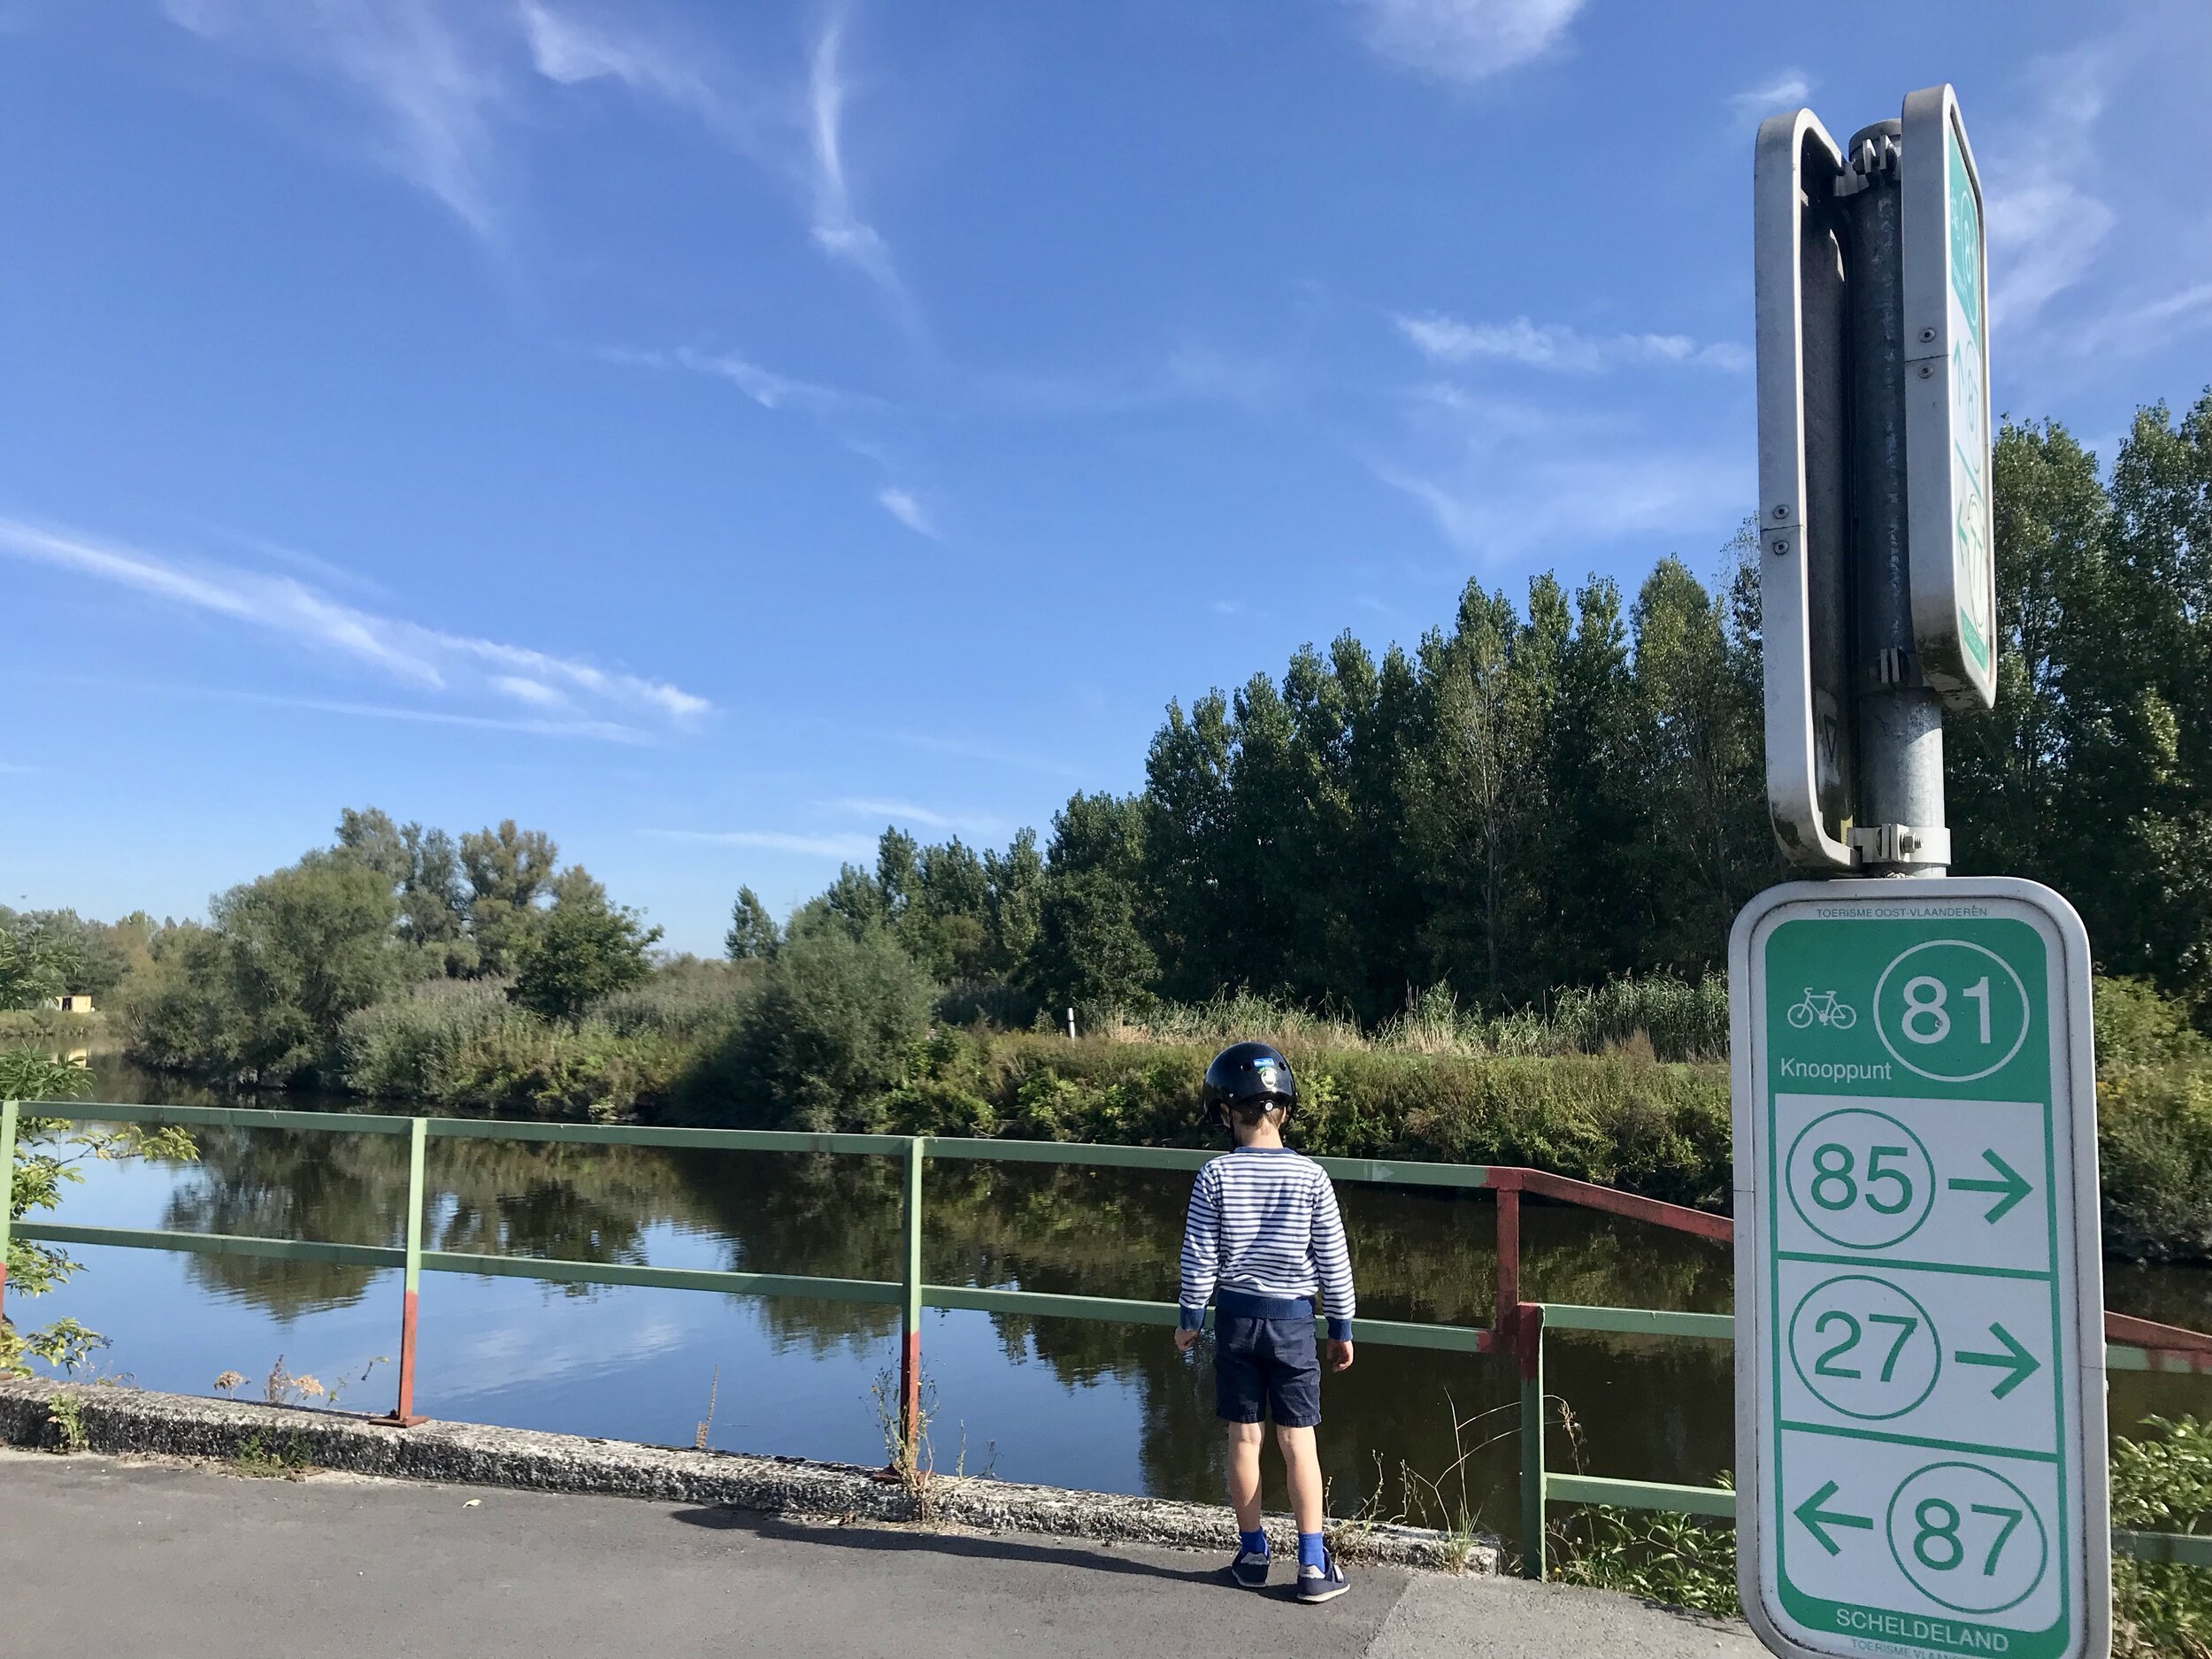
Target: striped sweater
1263 1227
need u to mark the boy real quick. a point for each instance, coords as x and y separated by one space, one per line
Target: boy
1261 1238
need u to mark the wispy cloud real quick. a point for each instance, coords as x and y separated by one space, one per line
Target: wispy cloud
600 731
839 230
423 658
908 813
901 506
2143 327
764 385
1788 91
425 76
572 51
846 847
1464 40
1554 346
1501 477
2046 227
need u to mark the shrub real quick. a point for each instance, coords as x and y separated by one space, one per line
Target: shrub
2155 1144
2162 1485
687 1000
830 1036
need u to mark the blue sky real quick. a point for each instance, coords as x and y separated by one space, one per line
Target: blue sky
708 433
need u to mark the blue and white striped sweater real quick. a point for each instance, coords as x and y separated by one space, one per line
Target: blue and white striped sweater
1263 1226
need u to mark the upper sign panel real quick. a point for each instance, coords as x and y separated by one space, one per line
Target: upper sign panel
1946 404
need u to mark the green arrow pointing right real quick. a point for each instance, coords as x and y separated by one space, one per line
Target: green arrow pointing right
1817 1520
2010 1182
2016 1361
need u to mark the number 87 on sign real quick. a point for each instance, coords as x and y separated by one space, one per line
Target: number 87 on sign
1919 1305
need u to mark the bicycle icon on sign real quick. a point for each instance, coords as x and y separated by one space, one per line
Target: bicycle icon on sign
1822 1006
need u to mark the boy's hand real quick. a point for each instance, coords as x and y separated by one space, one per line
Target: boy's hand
1185 1340
1339 1354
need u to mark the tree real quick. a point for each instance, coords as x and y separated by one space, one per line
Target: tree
584 949
1015 881
753 933
1090 947
509 871
261 993
424 869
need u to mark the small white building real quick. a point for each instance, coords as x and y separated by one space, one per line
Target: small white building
72 1002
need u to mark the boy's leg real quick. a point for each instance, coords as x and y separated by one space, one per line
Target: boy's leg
1302 1465
1244 1473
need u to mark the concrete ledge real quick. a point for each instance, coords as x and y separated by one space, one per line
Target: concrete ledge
130 1420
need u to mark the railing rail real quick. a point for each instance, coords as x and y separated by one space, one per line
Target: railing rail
1517 1328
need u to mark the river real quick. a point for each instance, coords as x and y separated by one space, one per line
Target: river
1424 1436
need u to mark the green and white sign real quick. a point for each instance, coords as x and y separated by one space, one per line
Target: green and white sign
1920 1385
1946 404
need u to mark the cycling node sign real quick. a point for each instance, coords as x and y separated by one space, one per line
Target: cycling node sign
1919 1304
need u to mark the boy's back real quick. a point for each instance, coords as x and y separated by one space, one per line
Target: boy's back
1264 1228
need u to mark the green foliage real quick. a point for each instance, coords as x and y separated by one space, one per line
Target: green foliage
260 995
47 1153
1682 1560
2155 1153
753 932
65 1416
584 949
464 1044
2163 1483
839 1010
265 1456
31 967
509 871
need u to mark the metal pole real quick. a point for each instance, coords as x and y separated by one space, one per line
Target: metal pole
1529 1344
418 1132
1899 826
910 1315
1509 1260
7 1192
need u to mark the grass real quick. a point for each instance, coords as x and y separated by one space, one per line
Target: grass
2161 1482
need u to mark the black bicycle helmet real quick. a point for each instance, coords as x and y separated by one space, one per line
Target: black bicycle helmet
1246 1074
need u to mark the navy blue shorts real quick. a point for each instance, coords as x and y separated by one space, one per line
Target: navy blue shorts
1266 1367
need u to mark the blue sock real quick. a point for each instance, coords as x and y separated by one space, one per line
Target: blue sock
1310 1551
1253 1543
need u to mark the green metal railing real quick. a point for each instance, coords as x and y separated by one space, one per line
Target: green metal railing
1518 1329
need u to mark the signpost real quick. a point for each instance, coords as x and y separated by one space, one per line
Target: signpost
1920 1385
1920 1423
1946 404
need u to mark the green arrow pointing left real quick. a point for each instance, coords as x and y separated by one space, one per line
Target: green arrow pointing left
1817 1520
2015 1360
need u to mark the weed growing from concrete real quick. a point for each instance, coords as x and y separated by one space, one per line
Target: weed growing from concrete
262 1457
65 1416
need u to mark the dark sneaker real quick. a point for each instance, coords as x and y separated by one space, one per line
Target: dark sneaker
1323 1583
1249 1570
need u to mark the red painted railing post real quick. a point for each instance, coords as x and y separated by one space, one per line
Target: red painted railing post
911 1316
1508 1253
404 1414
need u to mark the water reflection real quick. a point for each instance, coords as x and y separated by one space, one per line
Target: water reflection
1065 1401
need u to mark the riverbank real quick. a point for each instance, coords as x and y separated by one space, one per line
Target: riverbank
252 1438
1625 1086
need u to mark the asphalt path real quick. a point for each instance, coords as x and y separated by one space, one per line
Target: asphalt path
100 1556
